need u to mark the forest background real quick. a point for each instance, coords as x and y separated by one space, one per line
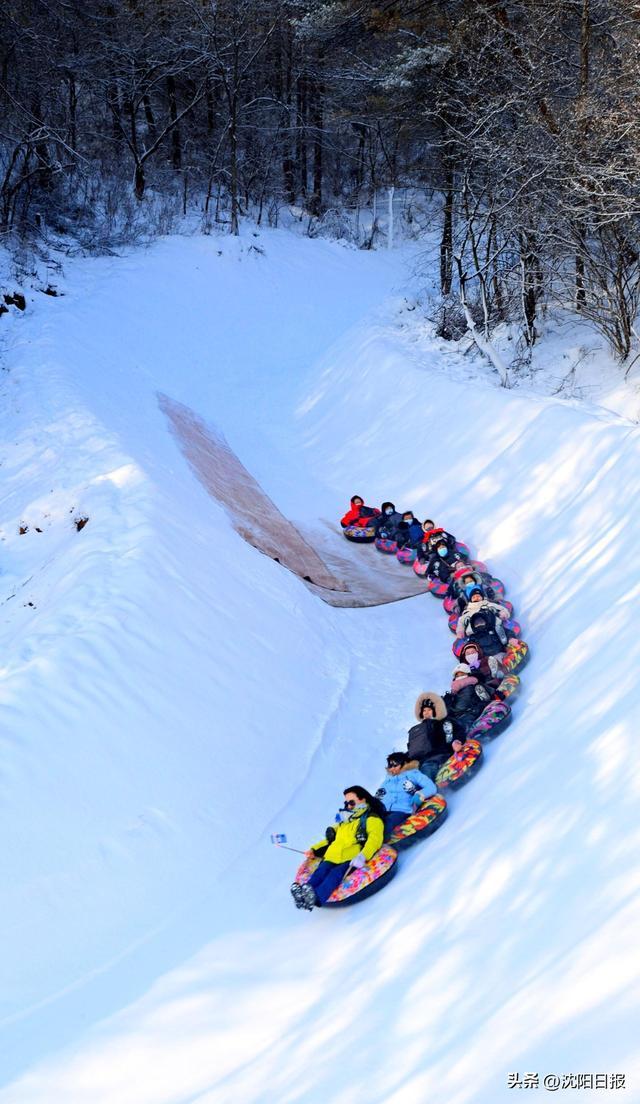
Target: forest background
511 130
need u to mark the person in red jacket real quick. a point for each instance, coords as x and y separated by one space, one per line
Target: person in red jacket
358 514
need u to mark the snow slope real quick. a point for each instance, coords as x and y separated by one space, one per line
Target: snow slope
172 696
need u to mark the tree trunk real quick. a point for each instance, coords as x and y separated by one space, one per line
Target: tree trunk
139 181
446 241
301 148
176 144
317 121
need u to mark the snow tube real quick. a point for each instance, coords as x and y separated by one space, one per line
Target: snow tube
463 550
360 534
452 621
450 605
512 627
515 657
420 567
493 720
509 685
437 588
498 588
383 544
358 884
431 814
406 555
479 566
460 767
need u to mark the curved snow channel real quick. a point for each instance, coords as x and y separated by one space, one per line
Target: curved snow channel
199 698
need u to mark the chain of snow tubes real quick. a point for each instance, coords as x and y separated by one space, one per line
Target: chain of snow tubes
462 765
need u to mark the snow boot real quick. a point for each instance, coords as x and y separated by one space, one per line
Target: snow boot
308 897
296 893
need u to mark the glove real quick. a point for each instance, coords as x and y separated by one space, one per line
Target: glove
483 694
330 834
358 862
448 731
381 792
409 786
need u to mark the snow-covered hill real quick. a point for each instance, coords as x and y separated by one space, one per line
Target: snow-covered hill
171 696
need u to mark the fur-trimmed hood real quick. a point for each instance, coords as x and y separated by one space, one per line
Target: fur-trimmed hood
440 707
407 767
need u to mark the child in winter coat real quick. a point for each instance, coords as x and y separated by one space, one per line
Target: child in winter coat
434 538
467 697
436 736
358 514
465 576
476 602
403 790
355 839
487 631
486 669
386 524
409 532
442 562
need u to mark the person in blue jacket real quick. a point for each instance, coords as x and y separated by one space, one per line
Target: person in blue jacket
403 790
409 531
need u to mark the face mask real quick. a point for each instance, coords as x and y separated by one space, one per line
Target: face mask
388 511
472 660
442 550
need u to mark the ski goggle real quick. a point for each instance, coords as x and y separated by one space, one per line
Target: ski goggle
350 804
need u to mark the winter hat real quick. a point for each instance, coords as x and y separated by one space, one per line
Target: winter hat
433 699
468 646
472 589
463 676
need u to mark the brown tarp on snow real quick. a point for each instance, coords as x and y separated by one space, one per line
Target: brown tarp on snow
339 573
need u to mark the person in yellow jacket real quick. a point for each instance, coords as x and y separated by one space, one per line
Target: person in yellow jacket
354 840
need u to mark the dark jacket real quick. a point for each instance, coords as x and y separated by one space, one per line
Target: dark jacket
430 738
492 638
387 525
409 534
466 704
439 567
